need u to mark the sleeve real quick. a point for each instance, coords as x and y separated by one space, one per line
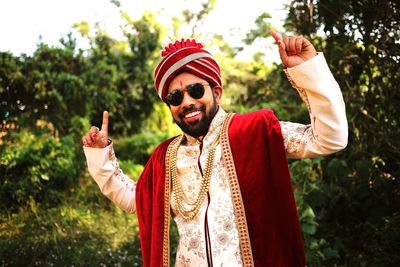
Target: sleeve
327 133
113 183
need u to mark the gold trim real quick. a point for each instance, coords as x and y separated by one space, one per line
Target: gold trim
167 193
238 207
301 91
186 208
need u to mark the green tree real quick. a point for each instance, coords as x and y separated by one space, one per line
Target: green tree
352 196
43 87
361 45
12 91
48 99
119 76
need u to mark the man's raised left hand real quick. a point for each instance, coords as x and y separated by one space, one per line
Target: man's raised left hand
294 50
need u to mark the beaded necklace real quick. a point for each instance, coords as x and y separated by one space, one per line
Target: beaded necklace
186 208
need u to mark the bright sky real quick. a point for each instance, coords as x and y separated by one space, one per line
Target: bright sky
23 21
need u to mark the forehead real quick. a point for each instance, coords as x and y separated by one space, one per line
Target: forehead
183 79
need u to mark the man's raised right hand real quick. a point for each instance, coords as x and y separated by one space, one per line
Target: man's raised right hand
95 137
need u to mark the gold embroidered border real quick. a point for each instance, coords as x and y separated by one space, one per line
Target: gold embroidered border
244 237
167 193
301 91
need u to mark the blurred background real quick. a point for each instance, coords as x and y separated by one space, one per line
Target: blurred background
63 62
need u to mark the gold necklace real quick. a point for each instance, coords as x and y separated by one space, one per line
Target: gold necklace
184 207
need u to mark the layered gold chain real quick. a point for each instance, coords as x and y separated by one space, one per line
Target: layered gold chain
186 208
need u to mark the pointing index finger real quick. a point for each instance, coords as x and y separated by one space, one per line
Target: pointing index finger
276 35
104 126
278 38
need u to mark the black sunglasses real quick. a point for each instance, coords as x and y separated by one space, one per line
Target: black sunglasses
195 90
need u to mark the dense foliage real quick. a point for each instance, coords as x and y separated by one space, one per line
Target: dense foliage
53 214
358 198
51 211
349 202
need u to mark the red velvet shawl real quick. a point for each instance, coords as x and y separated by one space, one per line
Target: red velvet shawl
261 166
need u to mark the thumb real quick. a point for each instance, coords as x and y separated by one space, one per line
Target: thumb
104 126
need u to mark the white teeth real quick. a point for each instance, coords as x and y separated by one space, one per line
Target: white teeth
192 114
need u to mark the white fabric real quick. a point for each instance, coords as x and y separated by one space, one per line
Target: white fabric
113 183
328 131
326 134
223 234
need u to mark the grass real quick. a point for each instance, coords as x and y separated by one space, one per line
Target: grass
86 230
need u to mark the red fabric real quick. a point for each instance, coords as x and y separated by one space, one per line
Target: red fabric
261 165
150 206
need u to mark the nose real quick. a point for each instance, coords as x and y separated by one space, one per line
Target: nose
187 100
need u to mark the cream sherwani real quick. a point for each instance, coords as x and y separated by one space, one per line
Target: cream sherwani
212 235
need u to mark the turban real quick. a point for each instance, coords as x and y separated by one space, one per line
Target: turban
188 56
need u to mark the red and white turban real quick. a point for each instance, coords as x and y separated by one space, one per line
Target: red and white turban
185 56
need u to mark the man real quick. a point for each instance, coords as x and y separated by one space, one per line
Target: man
226 178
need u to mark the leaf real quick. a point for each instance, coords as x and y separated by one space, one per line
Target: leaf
337 168
45 177
308 229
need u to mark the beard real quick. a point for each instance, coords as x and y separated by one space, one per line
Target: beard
200 127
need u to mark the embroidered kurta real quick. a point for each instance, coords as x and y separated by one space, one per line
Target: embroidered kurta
212 235
220 242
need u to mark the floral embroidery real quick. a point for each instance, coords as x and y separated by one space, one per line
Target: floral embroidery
131 185
221 221
191 243
194 243
302 91
228 226
223 239
296 136
182 261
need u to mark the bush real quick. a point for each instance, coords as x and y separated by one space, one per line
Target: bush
139 147
74 234
36 166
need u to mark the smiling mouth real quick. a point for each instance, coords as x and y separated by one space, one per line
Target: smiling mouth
192 114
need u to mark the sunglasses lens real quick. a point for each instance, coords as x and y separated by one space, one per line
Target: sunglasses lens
196 90
175 98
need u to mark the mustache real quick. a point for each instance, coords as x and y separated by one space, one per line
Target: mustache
191 109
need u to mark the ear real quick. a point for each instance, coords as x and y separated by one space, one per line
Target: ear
218 93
